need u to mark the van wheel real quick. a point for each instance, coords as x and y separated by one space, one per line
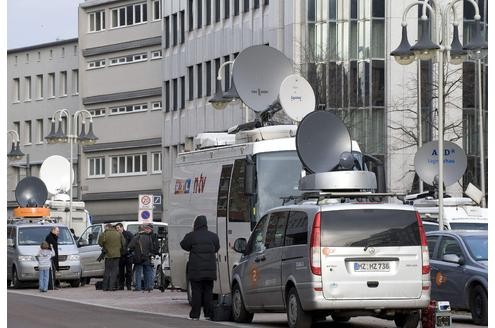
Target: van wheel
75 283
296 316
15 279
239 312
407 320
340 318
478 302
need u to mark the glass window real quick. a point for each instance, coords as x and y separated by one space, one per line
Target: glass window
275 232
35 235
378 9
90 235
246 6
217 11
157 162
182 92
311 10
477 247
297 229
17 90
226 9
432 242
174 30
449 245
166 23
199 13
182 26
27 81
256 241
223 191
156 9
199 70
208 78
378 39
174 94
190 75
378 83
167 96
236 7
239 202
208 12
190 15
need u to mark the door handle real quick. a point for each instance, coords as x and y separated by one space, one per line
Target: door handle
260 258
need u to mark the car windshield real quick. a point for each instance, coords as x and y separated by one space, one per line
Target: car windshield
477 246
35 235
469 226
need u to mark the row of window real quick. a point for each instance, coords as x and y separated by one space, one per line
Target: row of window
122 60
38 55
124 16
25 91
124 165
126 109
29 131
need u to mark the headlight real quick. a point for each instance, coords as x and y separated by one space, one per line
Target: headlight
26 258
73 257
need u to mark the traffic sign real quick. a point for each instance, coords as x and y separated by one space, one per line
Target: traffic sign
145 216
145 202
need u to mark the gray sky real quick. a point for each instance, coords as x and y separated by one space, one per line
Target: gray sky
31 22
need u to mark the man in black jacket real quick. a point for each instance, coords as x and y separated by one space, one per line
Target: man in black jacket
125 263
202 246
143 246
52 240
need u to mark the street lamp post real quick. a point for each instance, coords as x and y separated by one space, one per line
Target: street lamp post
15 153
70 136
425 49
220 100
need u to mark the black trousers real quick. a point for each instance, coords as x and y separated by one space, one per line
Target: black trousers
125 272
201 297
111 273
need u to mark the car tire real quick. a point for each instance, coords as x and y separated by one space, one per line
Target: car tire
15 279
75 283
478 303
296 316
340 318
239 312
407 320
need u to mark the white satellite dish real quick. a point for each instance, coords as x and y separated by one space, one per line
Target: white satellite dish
258 72
296 97
56 175
454 162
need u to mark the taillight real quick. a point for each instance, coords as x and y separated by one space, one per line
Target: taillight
424 246
315 247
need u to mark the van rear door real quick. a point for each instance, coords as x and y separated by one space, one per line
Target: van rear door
370 253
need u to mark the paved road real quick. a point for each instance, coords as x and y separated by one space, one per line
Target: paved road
88 308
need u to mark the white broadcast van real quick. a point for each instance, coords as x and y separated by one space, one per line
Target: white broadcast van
60 211
232 180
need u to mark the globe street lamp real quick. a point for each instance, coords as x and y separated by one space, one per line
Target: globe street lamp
69 136
425 49
220 100
15 153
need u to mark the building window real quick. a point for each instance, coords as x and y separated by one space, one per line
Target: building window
27 81
246 6
17 128
135 58
98 112
100 63
63 83
208 78
156 164
167 96
96 167
217 11
62 52
156 54
174 30
226 9
155 7
156 105
182 26
96 21
236 7
199 14
39 128
125 109
256 4
131 164
17 90
208 12
29 132
129 15
167 32
174 94
199 69
266 2
190 77
39 56
51 85
190 17
182 92
75 81
39 86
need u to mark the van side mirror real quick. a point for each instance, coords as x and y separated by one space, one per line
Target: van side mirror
453 258
240 245
10 242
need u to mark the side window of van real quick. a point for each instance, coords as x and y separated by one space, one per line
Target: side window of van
275 232
256 241
11 233
297 229
238 200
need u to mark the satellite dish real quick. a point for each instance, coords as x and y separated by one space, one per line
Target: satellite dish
31 192
56 175
426 162
258 72
321 140
296 97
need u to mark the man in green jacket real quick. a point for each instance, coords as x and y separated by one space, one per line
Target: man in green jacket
113 244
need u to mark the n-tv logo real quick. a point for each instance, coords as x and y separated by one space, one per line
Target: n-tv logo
183 186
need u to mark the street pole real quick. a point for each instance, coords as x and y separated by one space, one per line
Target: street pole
481 134
420 117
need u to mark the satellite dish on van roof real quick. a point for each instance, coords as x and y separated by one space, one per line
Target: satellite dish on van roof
258 72
31 192
56 175
426 162
296 97
321 141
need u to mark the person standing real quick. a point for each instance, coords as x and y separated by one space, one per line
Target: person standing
112 243
144 245
52 240
202 246
125 262
44 258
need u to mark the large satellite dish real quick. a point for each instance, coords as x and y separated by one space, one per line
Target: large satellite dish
321 140
31 192
258 72
296 97
55 173
426 162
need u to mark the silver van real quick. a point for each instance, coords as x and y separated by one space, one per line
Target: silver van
23 244
344 260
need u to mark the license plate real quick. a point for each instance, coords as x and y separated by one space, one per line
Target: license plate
371 266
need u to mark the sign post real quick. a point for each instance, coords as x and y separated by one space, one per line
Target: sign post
145 208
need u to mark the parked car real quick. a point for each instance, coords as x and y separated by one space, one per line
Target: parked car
89 251
23 244
342 260
430 226
459 270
